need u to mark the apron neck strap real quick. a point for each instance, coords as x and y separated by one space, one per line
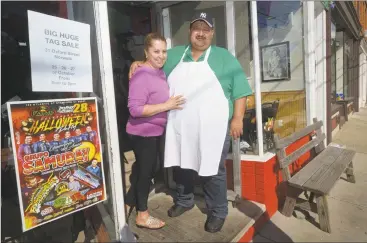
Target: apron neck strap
207 53
183 56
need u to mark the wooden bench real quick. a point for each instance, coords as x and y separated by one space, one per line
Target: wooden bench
317 177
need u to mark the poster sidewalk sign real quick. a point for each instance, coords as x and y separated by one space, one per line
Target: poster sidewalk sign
57 149
60 54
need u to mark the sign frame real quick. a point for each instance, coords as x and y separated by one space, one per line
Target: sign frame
15 152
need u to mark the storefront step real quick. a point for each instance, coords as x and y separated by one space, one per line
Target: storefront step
190 226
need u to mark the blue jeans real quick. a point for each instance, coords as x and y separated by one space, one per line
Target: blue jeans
214 187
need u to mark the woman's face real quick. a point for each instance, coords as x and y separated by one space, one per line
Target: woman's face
157 53
274 53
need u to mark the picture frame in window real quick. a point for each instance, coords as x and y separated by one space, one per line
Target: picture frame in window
275 62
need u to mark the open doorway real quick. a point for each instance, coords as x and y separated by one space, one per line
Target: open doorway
129 23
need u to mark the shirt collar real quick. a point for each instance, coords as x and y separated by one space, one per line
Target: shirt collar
188 55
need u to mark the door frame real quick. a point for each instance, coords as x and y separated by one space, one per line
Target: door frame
161 23
108 90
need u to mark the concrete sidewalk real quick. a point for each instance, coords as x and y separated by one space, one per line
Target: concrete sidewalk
347 202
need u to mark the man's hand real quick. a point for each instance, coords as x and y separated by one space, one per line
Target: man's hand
236 129
134 66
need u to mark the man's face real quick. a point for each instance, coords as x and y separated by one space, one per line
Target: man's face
42 137
94 163
274 53
28 139
67 134
78 132
71 178
89 129
201 35
56 137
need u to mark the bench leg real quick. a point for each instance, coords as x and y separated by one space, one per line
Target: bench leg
290 201
350 173
323 212
312 197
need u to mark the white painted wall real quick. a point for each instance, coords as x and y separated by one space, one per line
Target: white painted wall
339 63
320 63
362 79
310 67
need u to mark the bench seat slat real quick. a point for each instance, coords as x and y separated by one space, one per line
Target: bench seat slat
324 179
325 158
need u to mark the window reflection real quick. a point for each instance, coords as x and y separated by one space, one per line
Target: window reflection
283 97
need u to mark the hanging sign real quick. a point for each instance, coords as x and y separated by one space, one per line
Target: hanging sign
60 54
58 160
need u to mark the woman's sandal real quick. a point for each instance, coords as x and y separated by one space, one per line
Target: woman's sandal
151 223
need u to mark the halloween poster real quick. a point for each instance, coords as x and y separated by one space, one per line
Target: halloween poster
57 149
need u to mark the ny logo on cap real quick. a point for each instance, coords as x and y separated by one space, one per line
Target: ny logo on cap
203 15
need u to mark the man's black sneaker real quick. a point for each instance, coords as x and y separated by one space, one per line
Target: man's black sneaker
177 210
214 224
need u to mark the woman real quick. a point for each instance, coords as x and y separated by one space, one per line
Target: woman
148 104
275 69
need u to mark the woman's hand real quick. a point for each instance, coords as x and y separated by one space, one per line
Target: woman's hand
134 66
175 102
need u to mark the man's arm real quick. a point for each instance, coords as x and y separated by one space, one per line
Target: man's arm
240 90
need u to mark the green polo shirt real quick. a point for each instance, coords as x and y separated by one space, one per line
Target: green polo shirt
224 65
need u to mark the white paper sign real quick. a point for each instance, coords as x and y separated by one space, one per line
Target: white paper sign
60 54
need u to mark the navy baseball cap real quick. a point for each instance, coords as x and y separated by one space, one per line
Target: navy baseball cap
204 16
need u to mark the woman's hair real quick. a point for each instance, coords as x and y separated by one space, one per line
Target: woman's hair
148 42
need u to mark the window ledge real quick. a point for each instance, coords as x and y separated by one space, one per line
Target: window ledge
254 158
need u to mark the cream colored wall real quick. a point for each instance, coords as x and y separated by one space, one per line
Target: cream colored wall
339 63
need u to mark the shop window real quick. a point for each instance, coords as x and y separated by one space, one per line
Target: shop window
283 96
16 80
348 66
334 46
339 79
244 54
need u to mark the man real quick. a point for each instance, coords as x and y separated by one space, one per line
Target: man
79 137
25 148
55 145
198 136
94 168
67 142
42 145
73 184
91 135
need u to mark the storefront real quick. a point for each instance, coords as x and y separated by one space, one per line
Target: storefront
282 47
344 61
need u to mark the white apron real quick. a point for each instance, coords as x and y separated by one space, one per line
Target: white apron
195 135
